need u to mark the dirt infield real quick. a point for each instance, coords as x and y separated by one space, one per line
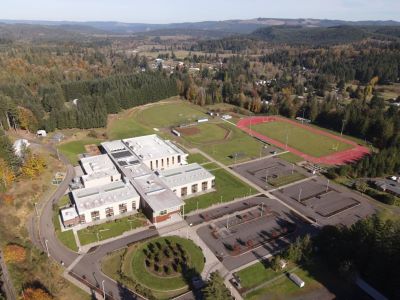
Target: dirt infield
338 158
188 131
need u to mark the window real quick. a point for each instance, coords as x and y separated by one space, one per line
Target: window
173 159
157 164
162 162
194 188
167 161
204 185
123 208
134 205
95 215
151 165
183 191
109 212
82 219
163 212
213 183
179 159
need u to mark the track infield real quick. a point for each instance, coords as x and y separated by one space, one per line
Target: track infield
312 144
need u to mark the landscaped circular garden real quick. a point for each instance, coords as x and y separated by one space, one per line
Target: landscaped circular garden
166 263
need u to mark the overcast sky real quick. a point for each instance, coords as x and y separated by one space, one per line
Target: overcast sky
166 11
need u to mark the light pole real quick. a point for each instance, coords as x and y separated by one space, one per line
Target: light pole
197 205
37 214
98 233
300 193
287 139
227 222
266 176
130 222
343 122
292 168
262 208
104 290
327 186
221 199
47 247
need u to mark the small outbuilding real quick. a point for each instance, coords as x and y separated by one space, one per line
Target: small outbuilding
297 280
41 132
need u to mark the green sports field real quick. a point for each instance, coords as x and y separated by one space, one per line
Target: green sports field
170 114
300 138
208 133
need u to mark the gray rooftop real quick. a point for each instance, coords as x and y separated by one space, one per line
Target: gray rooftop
150 147
155 192
184 175
96 197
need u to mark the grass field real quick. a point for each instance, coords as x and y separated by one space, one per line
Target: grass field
126 127
65 237
301 139
170 114
315 275
290 157
197 158
256 274
72 149
238 142
286 179
111 229
227 186
208 133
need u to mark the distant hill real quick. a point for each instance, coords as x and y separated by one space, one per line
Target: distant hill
227 26
324 35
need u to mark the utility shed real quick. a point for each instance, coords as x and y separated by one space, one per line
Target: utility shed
297 280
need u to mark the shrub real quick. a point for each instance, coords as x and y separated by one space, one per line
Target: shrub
36 294
14 253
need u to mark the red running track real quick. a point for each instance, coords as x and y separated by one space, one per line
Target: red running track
338 158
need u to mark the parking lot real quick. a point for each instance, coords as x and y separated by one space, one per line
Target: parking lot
250 234
271 172
325 202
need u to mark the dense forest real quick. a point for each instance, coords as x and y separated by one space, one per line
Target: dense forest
71 86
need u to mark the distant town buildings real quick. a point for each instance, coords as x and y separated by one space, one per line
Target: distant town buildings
146 173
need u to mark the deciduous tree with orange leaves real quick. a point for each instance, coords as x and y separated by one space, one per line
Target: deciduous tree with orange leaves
14 253
36 294
33 166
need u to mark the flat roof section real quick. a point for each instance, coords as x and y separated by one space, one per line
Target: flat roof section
69 213
91 198
150 147
184 175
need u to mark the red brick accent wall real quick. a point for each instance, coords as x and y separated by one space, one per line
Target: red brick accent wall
159 219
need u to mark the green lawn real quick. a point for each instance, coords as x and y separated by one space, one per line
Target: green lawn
64 201
165 283
110 229
211 166
286 179
313 275
126 127
170 114
301 139
238 142
65 237
256 274
209 132
197 158
290 157
72 149
227 186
